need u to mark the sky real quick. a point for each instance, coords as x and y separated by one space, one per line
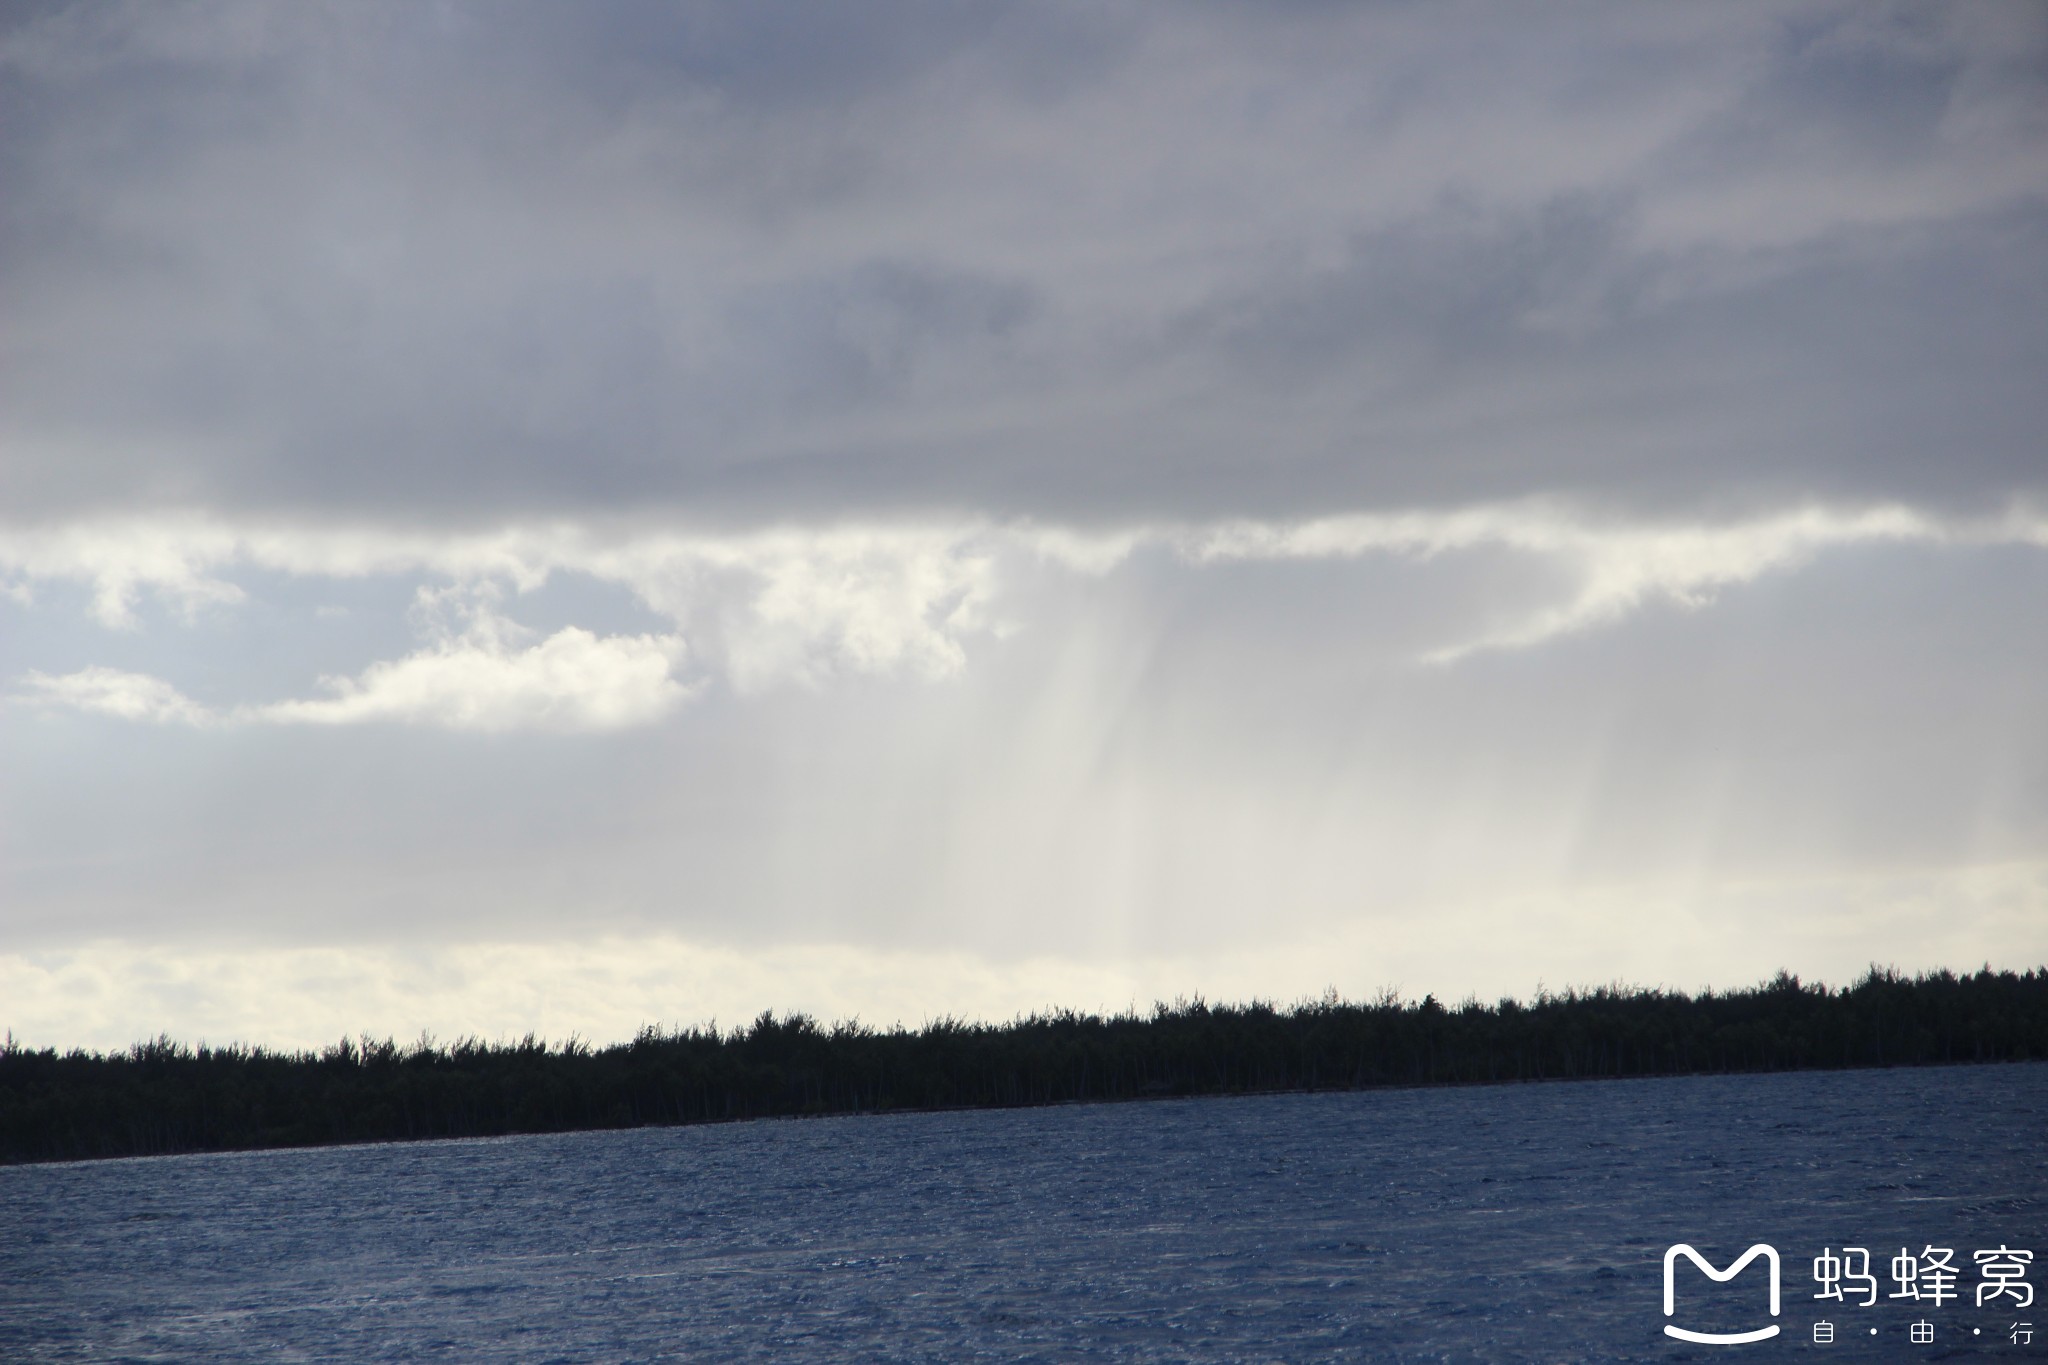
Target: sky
527 517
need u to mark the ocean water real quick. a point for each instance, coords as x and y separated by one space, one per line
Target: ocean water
1523 1222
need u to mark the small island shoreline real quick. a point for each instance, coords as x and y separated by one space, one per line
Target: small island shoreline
165 1098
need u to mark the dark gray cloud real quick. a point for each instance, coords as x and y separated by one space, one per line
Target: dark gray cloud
462 262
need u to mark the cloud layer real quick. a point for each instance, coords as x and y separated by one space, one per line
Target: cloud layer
497 262
607 987
868 495
798 606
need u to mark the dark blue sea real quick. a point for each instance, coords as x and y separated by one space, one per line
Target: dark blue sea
1500 1223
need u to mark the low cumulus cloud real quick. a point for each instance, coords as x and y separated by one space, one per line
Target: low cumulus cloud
113 692
797 607
763 610
572 680
1616 568
485 680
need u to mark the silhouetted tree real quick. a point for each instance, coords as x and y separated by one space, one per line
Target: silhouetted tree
161 1096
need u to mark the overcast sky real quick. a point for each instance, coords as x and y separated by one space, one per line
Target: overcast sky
565 516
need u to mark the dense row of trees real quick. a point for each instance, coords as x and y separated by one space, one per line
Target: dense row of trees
163 1097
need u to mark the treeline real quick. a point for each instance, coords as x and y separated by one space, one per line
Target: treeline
161 1096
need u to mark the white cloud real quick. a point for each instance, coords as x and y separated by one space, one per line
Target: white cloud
171 558
113 692
797 605
800 605
484 678
110 993
572 680
1618 569
788 605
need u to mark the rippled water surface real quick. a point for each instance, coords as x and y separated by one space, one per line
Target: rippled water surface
1484 1223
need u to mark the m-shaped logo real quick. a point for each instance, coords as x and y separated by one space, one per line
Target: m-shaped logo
1769 1253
